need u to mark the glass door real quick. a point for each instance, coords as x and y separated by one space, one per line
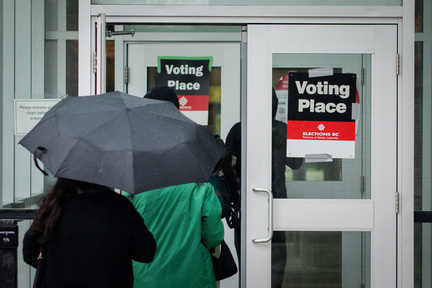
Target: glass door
321 156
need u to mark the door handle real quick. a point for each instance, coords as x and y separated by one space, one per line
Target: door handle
270 215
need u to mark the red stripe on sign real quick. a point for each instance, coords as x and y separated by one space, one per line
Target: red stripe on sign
321 130
193 102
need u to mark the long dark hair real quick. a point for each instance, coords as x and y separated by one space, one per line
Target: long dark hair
50 207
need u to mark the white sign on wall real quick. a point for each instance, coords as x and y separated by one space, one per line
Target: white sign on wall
28 112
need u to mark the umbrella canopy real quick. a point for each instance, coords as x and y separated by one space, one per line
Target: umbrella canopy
123 141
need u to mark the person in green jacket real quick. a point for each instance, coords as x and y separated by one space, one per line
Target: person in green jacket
185 221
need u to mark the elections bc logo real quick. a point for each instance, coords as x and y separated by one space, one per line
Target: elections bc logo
183 101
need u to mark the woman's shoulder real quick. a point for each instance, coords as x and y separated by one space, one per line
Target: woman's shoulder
195 187
194 190
117 198
104 196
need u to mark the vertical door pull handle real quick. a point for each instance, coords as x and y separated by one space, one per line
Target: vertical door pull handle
270 215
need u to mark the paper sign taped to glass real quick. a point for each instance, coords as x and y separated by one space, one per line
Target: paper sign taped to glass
320 115
189 78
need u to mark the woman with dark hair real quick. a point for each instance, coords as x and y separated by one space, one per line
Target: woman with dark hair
88 235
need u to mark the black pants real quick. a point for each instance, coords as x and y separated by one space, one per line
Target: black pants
279 258
237 240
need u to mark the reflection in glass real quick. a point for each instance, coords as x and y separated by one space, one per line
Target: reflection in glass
279 161
72 67
321 259
214 120
341 178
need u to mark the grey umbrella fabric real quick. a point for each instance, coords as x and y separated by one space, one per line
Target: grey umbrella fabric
123 141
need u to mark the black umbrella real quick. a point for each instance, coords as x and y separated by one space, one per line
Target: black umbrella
123 141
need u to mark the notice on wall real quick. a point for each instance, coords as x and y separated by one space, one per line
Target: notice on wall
28 112
320 115
189 78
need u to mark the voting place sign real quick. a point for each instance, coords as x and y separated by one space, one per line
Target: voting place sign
320 115
189 77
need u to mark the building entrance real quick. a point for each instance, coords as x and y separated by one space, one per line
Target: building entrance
334 221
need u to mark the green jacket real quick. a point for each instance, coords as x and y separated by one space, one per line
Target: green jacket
185 221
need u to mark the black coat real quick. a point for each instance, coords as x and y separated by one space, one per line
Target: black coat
279 159
93 244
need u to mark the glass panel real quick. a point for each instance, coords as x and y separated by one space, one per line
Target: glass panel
214 125
320 259
420 108
168 36
51 13
110 66
214 116
419 16
418 233
72 15
254 2
422 145
51 73
43 56
344 177
72 67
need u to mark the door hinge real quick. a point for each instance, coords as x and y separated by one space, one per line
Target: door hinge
126 75
94 62
397 64
362 285
362 76
362 184
244 34
397 202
